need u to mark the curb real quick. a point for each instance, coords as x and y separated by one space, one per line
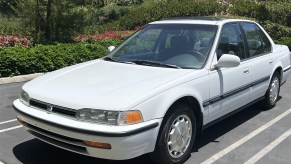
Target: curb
17 79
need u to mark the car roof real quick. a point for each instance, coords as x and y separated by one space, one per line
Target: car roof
198 20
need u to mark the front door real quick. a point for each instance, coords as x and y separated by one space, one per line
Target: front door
229 87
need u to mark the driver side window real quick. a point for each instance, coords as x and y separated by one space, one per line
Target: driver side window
231 42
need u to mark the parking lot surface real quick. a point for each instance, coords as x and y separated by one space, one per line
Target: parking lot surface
253 135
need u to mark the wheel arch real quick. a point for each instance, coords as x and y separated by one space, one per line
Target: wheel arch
195 106
279 69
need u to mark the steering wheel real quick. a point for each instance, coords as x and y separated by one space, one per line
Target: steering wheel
198 55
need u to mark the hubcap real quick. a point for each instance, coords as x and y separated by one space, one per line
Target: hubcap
274 90
179 136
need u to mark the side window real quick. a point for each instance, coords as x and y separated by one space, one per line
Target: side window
266 41
231 42
255 44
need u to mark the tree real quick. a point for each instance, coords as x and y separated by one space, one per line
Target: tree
8 7
55 20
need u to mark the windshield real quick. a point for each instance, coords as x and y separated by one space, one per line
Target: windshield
171 45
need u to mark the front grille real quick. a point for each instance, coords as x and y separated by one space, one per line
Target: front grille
55 109
53 135
61 144
38 104
56 139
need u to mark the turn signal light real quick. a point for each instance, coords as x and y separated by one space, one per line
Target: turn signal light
97 144
133 117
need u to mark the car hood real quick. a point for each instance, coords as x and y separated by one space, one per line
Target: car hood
100 84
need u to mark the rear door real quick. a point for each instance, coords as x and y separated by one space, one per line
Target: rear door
260 57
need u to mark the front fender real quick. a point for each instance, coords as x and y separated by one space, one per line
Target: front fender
158 105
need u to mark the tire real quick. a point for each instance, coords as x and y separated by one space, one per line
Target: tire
174 147
272 94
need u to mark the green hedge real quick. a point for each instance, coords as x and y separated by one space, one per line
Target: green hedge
274 11
249 9
44 58
151 10
275 17
275 30
285 41
156 10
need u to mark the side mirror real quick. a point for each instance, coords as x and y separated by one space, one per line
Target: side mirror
227 61
111 48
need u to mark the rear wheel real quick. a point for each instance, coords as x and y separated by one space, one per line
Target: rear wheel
272 93
176 137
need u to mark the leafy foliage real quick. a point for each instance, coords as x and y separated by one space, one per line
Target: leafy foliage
285 41
155 10
115 35
8 7
276 31
52 20
45 58
14 40
97 24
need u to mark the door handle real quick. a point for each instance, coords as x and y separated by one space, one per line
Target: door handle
246 71
271 61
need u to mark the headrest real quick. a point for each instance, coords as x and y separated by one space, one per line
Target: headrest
254 44
178 41
205 42
224 40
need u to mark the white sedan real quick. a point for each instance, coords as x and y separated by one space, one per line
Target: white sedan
157 91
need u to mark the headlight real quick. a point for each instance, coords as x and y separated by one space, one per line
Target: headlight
24 97
109 117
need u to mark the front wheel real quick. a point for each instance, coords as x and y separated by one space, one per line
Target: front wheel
176 137
273 91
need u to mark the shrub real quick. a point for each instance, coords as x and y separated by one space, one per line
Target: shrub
285 41
155 10
10 26
15 40
243 8
110 35
279 12
265 12
44 58
275 30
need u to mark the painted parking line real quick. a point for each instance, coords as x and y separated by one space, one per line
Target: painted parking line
245 139
4 122
12 128
268 148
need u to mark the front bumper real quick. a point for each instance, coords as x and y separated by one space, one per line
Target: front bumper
126 141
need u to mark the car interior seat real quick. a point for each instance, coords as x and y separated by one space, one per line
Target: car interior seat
205 45
178 45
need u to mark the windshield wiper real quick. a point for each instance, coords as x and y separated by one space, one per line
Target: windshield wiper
107 58
153 63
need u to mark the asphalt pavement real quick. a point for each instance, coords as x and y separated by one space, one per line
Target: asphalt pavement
253 135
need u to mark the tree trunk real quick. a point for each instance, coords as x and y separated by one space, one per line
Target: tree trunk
37 20
48 21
